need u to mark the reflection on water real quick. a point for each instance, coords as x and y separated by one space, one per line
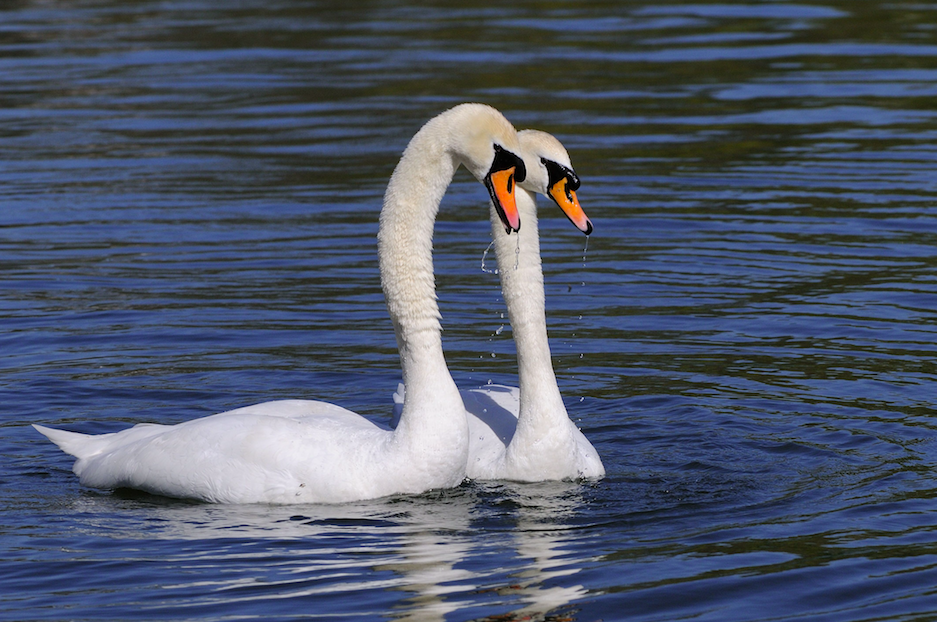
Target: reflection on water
437 556
542 537
188 205
429 549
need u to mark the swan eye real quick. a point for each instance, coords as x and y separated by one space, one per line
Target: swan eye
557 172
504 160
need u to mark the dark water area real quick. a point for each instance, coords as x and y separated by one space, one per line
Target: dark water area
189 195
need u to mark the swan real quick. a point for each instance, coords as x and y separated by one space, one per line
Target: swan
300 451
533 439
525 434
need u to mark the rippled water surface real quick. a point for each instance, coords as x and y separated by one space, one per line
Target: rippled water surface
189 197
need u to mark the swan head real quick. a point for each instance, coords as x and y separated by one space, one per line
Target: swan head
486 144
550 172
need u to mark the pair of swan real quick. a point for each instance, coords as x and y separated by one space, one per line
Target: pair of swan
300 451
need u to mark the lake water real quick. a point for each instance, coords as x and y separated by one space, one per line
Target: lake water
189 195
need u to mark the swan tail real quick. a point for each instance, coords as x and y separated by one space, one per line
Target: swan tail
75 443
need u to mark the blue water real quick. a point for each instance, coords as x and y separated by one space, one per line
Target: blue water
189 196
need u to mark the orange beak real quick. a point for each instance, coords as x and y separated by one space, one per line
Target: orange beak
565 197
501 188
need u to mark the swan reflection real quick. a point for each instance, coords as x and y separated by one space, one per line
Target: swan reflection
534 540
487 549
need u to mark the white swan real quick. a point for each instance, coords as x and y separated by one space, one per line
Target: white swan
300 451
525 434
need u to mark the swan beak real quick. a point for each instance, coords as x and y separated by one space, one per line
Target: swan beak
565 196
500 186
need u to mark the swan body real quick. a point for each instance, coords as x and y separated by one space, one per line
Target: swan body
251 454
525 433
300 451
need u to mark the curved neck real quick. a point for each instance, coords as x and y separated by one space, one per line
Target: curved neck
522 287
405 242
405 255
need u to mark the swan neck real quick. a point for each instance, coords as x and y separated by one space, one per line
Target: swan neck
405 256
405 242
519 266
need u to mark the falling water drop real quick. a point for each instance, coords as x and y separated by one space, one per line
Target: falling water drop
485 269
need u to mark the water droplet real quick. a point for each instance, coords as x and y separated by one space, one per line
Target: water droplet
485 256
493 355
500 328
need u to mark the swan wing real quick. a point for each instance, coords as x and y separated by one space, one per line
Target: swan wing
276 452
